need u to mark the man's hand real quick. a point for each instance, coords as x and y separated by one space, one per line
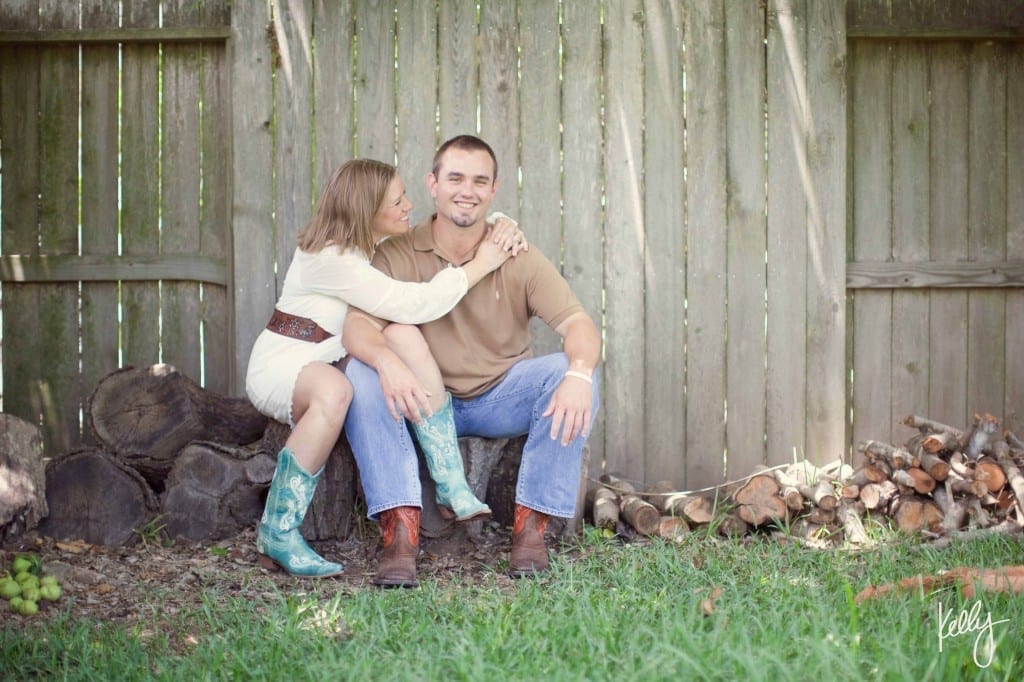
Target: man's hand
570 409
403 392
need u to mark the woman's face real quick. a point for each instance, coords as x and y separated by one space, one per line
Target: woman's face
392 217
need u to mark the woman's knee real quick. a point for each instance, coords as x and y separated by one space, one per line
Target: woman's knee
324 387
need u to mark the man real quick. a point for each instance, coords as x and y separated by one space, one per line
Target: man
482 349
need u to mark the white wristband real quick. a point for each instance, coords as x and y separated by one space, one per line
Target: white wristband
579 375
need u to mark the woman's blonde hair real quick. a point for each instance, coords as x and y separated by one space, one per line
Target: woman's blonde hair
350 200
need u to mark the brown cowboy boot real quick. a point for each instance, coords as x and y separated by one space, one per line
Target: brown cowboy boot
529 553
397 566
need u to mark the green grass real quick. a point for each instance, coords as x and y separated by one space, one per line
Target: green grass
606 612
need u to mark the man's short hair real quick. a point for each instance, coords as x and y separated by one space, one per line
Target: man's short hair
469 143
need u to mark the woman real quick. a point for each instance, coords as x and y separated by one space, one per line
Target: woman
291 377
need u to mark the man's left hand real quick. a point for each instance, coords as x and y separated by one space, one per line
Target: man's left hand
569 409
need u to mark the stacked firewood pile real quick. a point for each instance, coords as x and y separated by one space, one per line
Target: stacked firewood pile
943 481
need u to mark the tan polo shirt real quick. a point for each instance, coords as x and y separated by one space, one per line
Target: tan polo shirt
488 330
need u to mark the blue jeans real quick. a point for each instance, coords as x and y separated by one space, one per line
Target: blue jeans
549 473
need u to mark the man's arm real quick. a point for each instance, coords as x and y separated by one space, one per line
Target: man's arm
570 405
362 336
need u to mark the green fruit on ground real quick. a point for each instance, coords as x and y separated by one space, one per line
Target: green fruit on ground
15 604
29 608
23 564
50 592
10 588
48 580
27 580
30 594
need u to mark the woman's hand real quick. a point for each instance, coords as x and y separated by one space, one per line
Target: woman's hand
403 392
506 233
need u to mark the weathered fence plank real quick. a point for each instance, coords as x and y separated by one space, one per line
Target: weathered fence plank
375 80
181 172
826 295
332 72
19 93
706 265
539 114
140 207
252 113
56 336
457 77
787 121
624 236
871 116
582 182
293 151
986 226
746 240
948 167
499 90
99 196
665 243
910 198
218 329
1013 412
416 108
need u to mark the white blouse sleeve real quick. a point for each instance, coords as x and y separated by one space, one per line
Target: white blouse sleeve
350 277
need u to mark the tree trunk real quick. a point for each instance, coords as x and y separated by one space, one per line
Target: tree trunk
22 477
214 491
96 498
146 416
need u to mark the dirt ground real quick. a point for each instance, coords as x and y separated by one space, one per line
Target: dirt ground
131 584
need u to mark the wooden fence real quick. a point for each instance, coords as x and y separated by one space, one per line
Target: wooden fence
700 169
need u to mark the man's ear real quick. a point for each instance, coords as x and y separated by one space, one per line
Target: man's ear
431 182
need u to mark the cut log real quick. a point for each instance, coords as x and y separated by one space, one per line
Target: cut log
730 525
897 458
146 416
659 495
938 436
954 511
935 466
979 516
853 527
878 495
821 516
821 494
22 477
95 497
672 528
603 507
696 510
789 491
987 469
1012 471
640 514
214 491
759 502
915 479
867 474
957 484
913 514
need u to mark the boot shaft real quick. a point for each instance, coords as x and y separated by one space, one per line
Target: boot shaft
291 491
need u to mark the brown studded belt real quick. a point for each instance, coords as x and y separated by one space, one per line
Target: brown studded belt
296 327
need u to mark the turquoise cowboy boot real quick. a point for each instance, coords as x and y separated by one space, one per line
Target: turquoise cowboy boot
440 446
278 541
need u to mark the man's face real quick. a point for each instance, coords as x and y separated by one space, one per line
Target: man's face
464 186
